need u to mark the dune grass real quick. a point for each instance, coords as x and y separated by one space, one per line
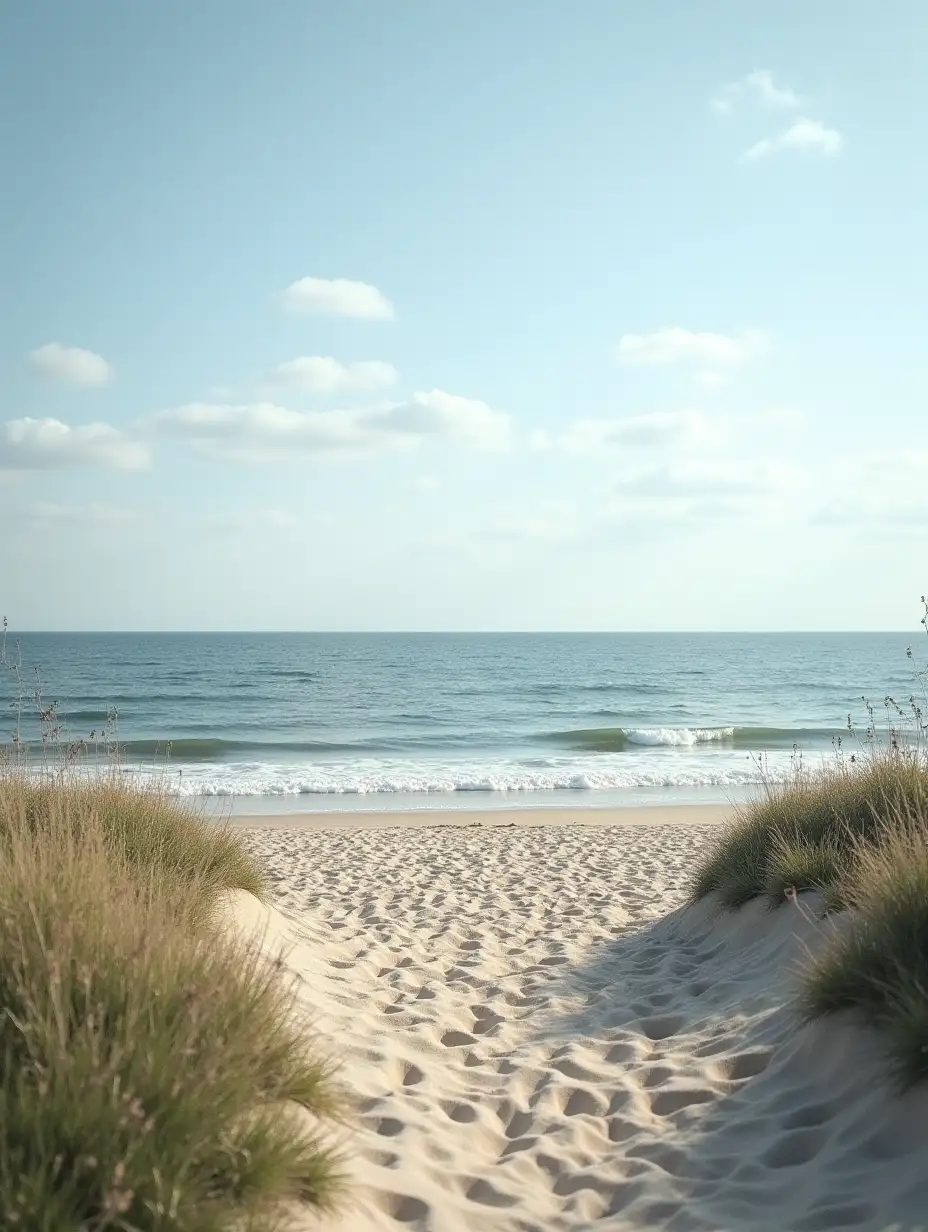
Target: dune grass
858 833
880 965
805 834
149 830
153 1071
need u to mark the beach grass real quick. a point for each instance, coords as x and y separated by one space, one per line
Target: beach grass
879 966
806 833
154 1072
149 830
858 833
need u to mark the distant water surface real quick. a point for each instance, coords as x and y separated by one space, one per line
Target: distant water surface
316 721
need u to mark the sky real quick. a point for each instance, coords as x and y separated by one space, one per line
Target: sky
523 315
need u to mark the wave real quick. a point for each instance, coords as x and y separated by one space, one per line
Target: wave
158 750
597 740
505 780
617 739
214 749
676 737
196 748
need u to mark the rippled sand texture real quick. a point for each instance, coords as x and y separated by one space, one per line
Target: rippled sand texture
536 1039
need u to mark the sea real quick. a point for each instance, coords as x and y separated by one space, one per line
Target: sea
368 721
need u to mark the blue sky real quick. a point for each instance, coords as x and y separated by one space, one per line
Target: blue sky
488 316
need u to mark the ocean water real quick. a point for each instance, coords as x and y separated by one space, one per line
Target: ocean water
372 721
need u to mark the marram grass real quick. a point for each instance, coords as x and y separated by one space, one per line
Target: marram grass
804 834
859 834
879 967
148 830
153 1071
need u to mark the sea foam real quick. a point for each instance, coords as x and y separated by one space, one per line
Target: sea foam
677 736
680 768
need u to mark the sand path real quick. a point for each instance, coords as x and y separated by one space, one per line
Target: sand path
536 1040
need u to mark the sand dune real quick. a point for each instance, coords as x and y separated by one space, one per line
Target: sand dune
538 1037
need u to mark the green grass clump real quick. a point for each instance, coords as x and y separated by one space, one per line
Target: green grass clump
805 834
858 833
154 1073
879 966
147 829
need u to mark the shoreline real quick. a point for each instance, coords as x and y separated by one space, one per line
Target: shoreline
426 819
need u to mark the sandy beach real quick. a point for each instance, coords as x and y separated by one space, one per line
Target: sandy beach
425 819
536 1035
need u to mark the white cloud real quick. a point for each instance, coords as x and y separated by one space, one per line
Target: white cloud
45 444
714 484
259 429
880 494
676 345
883 493
665 432
805 135
710 379
436 413
759 88
93 513
69 365
320 374
766 91
341 297
426 483
660 429
264 431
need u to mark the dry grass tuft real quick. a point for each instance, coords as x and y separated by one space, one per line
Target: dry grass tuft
153 1072
880 965
859 833
148 830
805 834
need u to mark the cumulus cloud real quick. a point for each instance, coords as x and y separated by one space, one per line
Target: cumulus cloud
660 429
676 345
47 444
341 297
760 89
805 136
262 431
436 413
69 365
321 374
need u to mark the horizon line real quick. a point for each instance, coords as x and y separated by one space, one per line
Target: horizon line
12 632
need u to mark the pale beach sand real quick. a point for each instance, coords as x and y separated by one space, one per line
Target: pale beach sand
535 1036
419 819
